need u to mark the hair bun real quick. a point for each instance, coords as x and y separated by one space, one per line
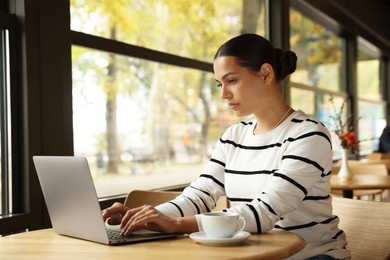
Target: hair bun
286 63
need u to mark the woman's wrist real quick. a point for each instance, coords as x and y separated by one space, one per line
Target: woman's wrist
186 225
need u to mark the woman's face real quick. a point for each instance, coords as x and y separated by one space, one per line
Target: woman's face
243 89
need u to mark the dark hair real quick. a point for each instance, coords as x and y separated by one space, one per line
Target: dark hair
252 51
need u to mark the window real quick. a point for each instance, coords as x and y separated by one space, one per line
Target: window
185 28
371 105
148 120
319 52
319 74
152 120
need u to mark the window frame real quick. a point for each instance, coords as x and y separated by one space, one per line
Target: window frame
108 45
352 42
16 218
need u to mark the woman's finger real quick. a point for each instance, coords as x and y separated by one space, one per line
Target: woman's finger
114 219
151 219
131 221
128 219
115 209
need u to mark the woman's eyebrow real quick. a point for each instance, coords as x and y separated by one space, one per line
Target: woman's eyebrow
225 76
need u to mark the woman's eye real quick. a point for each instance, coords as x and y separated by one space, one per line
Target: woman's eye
229 81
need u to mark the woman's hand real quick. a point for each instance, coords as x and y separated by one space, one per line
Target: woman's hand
147 217
114 214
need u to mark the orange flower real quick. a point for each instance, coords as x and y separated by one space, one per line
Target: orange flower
344 127
349 138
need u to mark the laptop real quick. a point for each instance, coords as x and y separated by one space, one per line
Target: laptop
72 202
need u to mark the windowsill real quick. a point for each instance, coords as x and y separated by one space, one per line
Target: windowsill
110 185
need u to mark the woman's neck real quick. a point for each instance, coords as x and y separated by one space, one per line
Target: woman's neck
271 118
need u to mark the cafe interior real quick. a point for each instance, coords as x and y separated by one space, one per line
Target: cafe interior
129 85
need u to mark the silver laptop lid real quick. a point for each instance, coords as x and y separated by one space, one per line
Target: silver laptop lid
71 197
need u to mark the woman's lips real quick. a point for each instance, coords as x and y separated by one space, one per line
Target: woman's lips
233 105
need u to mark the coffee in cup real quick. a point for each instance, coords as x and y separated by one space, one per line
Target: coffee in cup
222 224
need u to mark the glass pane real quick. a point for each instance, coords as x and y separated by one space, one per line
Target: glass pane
303 100
319 106
370 104
191 29
319 52
141 124
368 76
371 124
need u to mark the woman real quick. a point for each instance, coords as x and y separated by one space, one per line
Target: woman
275 169
384 140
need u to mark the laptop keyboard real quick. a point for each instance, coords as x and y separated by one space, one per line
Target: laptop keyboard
114 234
115 237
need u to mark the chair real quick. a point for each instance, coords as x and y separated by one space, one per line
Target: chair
362 168
137 198
366 225
375 156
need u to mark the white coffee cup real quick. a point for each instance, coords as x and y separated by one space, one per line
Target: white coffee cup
222 224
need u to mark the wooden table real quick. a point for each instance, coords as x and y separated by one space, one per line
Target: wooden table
360 182
46 244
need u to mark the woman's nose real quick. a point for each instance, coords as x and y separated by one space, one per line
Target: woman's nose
225 93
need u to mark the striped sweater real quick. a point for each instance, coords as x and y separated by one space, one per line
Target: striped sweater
280 179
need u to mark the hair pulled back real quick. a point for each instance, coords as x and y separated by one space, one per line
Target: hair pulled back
252 51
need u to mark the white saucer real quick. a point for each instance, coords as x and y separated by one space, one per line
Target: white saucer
238 238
